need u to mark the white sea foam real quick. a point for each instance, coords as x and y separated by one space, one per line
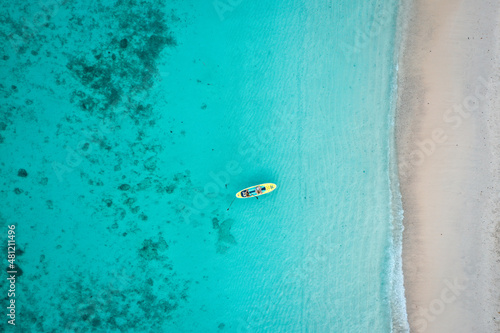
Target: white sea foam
398 299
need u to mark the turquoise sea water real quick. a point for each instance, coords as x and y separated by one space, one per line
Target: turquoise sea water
137 122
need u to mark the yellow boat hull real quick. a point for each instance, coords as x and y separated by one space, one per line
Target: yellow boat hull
266 188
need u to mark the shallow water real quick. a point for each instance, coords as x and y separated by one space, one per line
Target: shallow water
137 123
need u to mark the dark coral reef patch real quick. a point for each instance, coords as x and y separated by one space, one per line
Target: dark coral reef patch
152 250
116 70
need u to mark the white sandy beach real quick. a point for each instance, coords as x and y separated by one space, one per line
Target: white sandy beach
448 134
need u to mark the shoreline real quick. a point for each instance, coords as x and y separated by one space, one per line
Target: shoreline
447 161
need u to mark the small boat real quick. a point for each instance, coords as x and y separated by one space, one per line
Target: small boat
256 190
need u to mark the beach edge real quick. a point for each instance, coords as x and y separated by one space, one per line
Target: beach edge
444 242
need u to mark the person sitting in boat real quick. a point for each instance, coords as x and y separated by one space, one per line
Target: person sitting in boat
245 193
258 190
